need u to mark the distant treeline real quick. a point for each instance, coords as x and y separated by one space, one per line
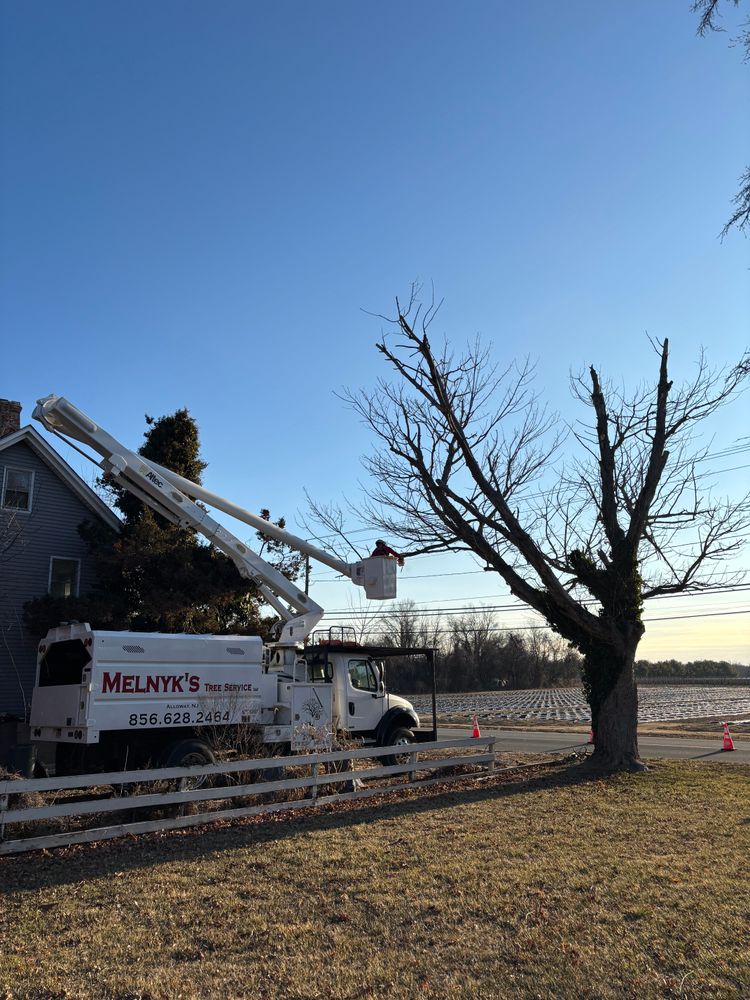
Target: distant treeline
510 661
696 668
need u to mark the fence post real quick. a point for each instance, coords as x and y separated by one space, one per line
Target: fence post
413 762
314 786
181 788
3 807
491 765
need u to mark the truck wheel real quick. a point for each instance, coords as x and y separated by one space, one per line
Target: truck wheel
400 737
40 769
272 774
277 773
189 753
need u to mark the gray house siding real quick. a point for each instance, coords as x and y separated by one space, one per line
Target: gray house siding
49 529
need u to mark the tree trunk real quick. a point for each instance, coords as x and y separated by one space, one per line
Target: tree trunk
614 710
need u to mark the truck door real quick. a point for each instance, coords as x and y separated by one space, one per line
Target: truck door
364 695
61 694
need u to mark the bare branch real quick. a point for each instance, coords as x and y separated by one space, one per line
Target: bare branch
740 217
606 464
332 519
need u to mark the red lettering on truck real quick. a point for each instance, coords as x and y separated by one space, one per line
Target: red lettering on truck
110 682
119 683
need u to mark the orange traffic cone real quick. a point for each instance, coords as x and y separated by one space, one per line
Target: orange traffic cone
475 734
727 743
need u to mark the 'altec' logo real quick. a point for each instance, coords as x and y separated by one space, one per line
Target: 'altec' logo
150 474
152 683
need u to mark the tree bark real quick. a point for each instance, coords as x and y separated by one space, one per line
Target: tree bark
613 698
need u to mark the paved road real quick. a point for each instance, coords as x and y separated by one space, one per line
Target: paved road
525 741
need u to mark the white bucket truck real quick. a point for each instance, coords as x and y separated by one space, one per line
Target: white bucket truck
110 700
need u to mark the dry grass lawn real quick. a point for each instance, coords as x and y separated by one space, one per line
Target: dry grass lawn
545 883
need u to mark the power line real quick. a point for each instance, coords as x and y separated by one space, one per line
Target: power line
705 614
421 555
382 619
385 615
734 468
670 549
338 578
537 628
426 576
515 606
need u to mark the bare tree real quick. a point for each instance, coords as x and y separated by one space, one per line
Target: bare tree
475 649
709 20
12 534
362 619
405 624
402 626
555 663
461 446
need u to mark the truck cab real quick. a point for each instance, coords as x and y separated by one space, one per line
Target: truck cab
362 704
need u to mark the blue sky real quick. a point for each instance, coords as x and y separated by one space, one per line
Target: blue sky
199 201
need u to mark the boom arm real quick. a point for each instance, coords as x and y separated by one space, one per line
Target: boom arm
173 497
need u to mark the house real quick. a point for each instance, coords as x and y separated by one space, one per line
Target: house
42 503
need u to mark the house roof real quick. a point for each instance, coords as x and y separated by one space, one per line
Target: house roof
30 436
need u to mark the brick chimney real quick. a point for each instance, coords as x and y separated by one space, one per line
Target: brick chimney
10 417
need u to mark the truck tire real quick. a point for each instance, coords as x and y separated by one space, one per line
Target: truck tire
189 753
401 736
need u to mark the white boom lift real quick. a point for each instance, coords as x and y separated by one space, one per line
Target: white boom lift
174 497
328 680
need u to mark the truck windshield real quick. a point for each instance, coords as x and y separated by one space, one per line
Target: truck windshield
63 663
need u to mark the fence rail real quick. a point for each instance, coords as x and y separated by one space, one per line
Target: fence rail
326 777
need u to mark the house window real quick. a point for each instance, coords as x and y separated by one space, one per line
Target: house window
63 577
18 486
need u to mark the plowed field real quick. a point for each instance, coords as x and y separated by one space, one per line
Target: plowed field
657 703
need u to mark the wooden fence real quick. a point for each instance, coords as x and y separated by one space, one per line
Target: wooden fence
324 777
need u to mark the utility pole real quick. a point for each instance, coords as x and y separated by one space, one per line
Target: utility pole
307 574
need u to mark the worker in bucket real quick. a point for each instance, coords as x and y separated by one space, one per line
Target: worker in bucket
386 552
